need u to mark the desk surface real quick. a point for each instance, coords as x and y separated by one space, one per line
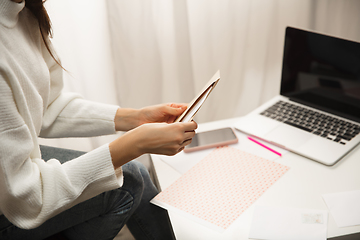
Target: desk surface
301 187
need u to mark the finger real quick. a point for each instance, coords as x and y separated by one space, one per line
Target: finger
177 105
186 142
189 135
171 119
172 111
190 126
180 149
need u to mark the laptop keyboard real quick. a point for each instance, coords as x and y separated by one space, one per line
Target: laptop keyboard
326 126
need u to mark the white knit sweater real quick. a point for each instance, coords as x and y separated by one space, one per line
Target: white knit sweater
32 105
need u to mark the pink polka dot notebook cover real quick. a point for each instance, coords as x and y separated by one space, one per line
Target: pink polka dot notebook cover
221 186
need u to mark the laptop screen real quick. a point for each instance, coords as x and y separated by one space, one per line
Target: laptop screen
322 72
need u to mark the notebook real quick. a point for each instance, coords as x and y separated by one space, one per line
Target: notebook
317 113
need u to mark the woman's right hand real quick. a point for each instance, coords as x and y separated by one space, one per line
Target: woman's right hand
156 138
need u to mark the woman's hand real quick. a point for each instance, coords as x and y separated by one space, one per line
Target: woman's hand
162 138
127 119
156 138
161 113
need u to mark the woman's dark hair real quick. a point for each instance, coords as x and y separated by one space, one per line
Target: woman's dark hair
38 10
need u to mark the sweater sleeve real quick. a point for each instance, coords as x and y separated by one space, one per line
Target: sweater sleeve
69 115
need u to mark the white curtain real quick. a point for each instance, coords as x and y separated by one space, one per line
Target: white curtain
136 53
81 38
165 50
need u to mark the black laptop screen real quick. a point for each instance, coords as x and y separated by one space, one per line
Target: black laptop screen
322 72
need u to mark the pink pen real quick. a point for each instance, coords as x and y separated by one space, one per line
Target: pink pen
272 150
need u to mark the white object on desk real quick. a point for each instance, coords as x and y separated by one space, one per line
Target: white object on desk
284 223
221 186
344 207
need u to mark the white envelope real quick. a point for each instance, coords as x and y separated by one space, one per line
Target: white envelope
344 207
199 100
285 223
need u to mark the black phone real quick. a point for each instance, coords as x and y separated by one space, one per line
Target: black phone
212 138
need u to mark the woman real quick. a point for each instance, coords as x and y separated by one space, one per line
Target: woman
88 197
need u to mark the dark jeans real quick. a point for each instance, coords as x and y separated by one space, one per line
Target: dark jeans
103 216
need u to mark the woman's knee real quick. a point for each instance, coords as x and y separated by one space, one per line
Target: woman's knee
133 178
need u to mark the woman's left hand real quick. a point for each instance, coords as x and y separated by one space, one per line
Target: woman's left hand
127 119
161 113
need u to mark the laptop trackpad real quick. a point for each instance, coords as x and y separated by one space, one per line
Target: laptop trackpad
288 136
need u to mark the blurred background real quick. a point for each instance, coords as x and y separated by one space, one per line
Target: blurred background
136 53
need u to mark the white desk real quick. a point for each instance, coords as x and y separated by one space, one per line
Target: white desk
301 187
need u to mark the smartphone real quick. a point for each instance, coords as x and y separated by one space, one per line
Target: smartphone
212 138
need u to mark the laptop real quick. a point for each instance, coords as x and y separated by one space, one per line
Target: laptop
317 114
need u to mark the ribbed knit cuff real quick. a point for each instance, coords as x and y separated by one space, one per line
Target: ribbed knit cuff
94 172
